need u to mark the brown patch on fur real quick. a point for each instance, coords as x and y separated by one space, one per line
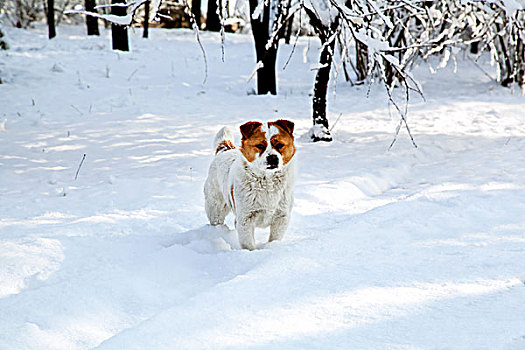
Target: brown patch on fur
247 129
233 198
286 125
252 136
284 139
225 145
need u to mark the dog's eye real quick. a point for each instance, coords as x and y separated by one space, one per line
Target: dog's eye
261 146
279 146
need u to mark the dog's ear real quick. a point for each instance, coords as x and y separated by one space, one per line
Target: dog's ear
286 125
248 128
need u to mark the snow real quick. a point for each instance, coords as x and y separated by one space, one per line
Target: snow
402 249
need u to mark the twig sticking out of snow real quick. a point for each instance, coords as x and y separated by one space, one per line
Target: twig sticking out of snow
76 109
132 74
80 165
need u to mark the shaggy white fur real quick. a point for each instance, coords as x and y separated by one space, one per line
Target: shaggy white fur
257 196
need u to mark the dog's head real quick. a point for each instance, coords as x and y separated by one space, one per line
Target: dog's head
269 146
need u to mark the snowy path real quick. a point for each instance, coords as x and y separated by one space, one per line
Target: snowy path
403 249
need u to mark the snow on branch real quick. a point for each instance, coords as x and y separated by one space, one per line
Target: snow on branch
132 6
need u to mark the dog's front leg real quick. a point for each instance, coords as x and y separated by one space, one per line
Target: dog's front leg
278 226
245 225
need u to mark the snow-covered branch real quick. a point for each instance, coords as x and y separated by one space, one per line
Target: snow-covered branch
126 20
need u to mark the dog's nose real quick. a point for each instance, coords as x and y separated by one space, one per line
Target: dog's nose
273 161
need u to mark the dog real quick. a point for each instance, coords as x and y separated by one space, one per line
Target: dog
255 181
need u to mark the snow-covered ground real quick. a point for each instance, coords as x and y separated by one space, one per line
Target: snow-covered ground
402 249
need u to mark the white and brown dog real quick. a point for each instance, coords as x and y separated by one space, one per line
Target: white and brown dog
255 182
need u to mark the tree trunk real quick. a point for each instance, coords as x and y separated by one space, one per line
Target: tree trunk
19 13
119 34
145 33
213 22
320 131
361 61
196 10
51 18
91 22
266 76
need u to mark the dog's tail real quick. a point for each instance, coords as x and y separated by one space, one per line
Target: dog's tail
223 140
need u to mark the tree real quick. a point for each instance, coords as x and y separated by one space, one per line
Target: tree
91 22
213 21
25 12
496 27
266 81
332 23
326 29
51 18
119 32
21 13
365 25
196 10
145 33
121 17
507 43
268 20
